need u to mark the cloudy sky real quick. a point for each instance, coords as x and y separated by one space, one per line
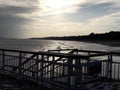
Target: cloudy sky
41 18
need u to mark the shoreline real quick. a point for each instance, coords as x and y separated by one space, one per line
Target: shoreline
106 42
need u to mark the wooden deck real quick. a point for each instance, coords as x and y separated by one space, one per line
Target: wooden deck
8 82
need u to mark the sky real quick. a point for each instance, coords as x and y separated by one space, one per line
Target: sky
43 18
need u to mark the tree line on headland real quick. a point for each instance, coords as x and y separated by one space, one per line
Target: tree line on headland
113 35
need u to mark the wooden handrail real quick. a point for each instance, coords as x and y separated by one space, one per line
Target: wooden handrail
25 61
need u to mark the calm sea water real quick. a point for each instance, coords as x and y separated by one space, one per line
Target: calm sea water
44 45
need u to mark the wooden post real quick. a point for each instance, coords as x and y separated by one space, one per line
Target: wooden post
70 69
53 67
107 68
41 68
36 68
20 66
63 70
78 72
110 65
88 60
3 60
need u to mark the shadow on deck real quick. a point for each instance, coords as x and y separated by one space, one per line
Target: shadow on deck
10 83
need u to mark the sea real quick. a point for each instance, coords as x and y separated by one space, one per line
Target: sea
44 45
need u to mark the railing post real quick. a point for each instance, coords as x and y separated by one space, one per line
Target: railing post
53 67
110 65
3 60
70 69
78 72
88 60
107 67
37 62
19 66
41 68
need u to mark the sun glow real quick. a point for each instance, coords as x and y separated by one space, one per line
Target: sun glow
50 7
55 4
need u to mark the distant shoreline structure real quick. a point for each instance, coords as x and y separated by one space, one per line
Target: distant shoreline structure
111 38
112 35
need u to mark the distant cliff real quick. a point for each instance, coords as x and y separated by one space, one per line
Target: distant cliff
113 35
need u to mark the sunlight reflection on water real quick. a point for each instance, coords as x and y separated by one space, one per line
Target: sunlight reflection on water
44 45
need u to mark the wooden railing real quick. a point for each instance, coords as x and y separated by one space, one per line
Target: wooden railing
61 69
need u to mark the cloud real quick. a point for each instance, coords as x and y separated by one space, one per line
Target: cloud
18 2
105 23
11 26
102 24
27 18
74 6
112 1
11 22
48 7
69 6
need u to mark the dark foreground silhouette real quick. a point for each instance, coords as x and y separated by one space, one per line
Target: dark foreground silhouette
11 83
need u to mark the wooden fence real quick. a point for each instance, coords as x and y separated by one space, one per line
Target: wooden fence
65 69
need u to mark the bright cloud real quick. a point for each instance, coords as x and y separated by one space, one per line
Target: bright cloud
59 6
